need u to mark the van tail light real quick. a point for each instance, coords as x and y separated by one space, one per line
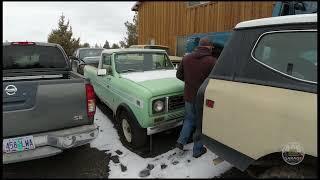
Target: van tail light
91 101
209 103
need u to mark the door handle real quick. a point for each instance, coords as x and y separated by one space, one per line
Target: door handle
289 68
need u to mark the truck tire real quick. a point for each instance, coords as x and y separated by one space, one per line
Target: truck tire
288 171
131 133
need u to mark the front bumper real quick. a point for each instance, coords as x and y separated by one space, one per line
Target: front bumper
52 143
165 126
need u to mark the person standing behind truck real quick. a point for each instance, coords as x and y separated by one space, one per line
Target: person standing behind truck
193 70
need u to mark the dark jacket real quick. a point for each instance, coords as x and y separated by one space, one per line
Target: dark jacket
193 70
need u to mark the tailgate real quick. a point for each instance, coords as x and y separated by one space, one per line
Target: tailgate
43 105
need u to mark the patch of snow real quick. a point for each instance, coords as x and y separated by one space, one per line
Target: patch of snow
178 164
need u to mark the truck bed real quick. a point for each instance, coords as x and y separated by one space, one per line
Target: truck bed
41 94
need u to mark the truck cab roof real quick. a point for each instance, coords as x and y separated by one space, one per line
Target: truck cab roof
89 48
148 45
36 43
290 19
110 51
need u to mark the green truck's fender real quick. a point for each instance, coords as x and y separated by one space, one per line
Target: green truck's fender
125 107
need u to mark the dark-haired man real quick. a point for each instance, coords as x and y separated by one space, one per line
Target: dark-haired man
193 70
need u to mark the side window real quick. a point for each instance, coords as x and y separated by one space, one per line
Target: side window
158 60
305 7
106 60
292 53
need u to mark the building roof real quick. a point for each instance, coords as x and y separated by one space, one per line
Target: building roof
304 18
136 6
110 51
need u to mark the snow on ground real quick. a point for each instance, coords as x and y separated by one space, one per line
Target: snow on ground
172 164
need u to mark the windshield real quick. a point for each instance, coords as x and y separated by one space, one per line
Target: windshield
91 60
30 57
89 53
134 62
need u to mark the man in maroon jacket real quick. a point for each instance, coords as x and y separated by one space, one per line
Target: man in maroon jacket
193 70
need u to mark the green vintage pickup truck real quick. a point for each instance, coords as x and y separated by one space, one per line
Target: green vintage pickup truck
141 88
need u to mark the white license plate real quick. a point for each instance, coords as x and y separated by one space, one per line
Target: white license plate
18 144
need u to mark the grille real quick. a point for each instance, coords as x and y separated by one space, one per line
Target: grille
175 115
175 102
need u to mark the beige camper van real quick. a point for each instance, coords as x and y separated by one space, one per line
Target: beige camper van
259 104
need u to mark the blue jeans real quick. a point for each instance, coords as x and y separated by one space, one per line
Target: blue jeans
189 124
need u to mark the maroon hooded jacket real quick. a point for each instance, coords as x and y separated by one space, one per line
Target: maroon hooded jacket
193 70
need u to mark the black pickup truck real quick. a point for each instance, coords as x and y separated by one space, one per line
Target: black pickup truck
46 107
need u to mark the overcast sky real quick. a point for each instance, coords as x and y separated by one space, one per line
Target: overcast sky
93 22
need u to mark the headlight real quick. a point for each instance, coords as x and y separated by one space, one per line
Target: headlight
158 105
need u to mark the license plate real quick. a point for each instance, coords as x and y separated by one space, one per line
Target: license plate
18 144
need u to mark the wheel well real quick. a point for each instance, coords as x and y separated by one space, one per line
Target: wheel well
120 109
276 157
126 108
262 167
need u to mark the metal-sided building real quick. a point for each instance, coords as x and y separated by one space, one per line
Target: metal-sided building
169 22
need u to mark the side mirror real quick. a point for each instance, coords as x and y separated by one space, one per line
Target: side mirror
81 62
108 68
73 58
102 72
299 6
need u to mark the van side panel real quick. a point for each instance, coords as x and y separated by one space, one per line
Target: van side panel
233 120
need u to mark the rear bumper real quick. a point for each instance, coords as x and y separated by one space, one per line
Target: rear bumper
165 126
52 143
40 152
234 157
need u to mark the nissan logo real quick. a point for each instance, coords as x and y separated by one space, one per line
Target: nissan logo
11 90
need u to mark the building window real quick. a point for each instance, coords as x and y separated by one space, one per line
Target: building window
196 3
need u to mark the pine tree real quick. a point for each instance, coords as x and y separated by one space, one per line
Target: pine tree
86 45
106 45
115 46
63 36
122 44
132 33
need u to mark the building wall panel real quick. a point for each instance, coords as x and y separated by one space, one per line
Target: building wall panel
164 20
